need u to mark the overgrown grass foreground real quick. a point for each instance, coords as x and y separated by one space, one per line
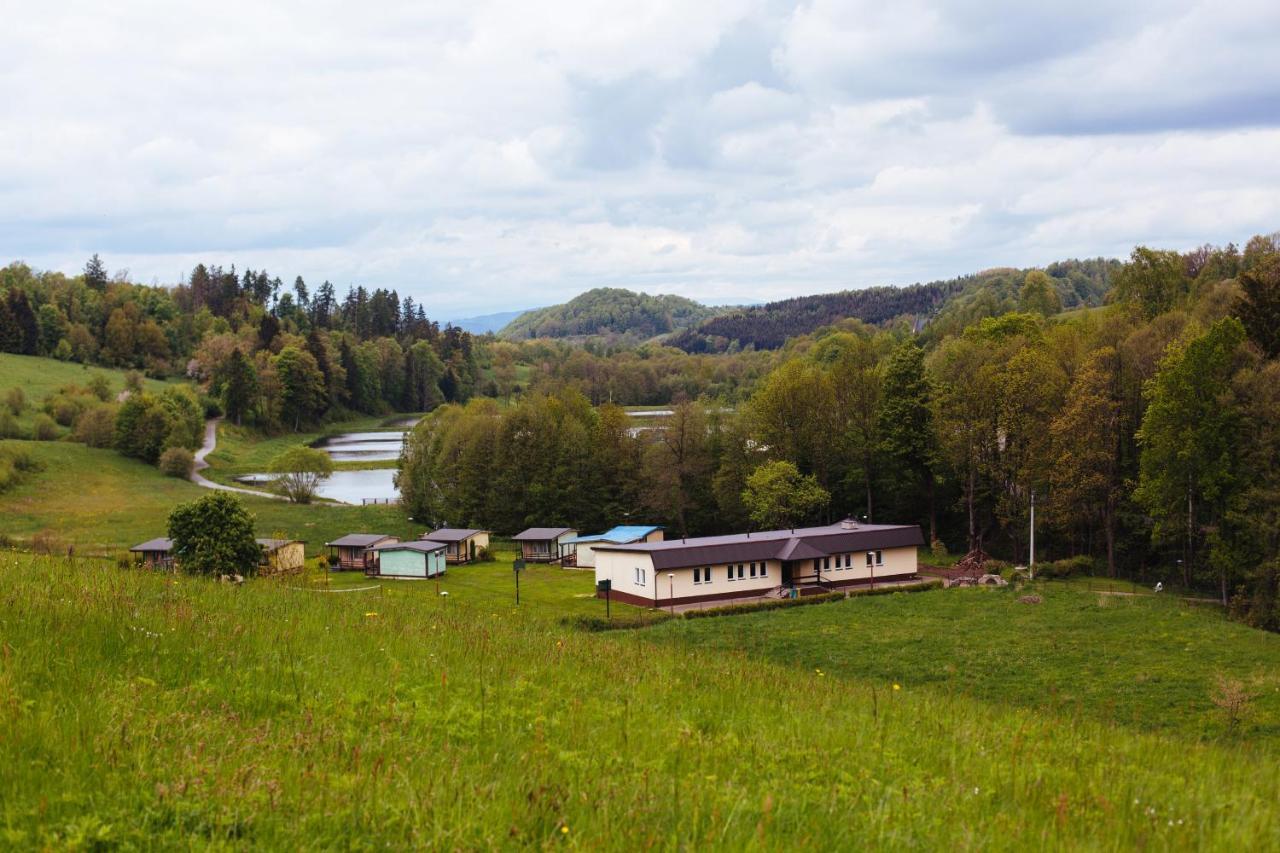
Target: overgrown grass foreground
148 710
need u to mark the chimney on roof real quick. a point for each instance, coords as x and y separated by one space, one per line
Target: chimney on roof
849 524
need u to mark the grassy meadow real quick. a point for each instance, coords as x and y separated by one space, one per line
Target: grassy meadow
41 377
157 711
101 503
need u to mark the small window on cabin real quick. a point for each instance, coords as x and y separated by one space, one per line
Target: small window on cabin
879 558
848 561
729 572
706 573
753 570
871 559
764 570
740 571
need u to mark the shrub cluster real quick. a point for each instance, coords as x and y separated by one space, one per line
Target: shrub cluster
620 623
771 604
15 466
1081 564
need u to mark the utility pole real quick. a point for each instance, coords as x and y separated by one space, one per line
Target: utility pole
1032 563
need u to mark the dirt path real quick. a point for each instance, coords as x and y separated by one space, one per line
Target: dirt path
210 442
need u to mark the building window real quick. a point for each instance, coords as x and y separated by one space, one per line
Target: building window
848 561
639 577
879 558
764 573
753 570
728 572
740 575
871 559
702 575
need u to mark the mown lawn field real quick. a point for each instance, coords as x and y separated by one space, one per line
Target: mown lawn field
1146 663
102 503
157 711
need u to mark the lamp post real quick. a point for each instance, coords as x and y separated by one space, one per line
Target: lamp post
671 591
516 566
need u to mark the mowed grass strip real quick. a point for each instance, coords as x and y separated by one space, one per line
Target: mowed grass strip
102 503
148 710
1145 662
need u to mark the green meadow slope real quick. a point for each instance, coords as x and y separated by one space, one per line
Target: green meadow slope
102 502
151 711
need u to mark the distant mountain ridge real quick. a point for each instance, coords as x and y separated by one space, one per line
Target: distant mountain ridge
610 312
484 323
1079 283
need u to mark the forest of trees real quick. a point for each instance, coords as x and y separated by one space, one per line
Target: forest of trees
609 312
282 357
1148 430
1077 283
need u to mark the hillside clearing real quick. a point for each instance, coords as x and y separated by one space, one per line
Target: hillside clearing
147 710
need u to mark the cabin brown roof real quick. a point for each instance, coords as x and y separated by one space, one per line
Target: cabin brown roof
803 543
277 544
422 545
161 544
358 540
450 534
538 534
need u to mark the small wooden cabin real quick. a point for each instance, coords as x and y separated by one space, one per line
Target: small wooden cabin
461 545
353 552
545 544
282 556
411 560
155 553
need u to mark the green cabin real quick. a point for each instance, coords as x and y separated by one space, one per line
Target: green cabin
417 559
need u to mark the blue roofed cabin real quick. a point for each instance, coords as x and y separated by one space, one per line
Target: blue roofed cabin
583 555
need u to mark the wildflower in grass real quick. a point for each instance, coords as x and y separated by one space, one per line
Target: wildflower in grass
897 686
564 830
371 615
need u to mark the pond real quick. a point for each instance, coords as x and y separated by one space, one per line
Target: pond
348 487
362 446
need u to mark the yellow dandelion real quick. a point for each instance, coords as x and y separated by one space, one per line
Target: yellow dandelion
564 830
897 686
371 615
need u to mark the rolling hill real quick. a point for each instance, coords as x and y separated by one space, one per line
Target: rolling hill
610 312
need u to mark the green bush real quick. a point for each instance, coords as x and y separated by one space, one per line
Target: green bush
177 462
100 387
212 408
1081 564
620 623
96 427
15 400
15 466
771 604
922 586
43 428
9 425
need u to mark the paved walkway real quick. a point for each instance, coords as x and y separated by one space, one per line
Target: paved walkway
210 442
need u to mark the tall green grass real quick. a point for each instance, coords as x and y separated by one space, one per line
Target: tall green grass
153 711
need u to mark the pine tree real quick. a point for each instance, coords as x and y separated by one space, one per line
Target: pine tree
906 423
240 389
95 273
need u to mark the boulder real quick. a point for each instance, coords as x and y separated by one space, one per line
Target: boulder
992 580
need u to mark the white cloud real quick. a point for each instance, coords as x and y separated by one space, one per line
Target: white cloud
499 154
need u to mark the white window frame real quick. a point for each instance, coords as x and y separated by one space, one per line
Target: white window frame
640 579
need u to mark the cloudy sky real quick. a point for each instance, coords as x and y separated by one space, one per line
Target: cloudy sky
484 156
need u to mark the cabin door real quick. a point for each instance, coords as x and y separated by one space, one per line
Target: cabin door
786 573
